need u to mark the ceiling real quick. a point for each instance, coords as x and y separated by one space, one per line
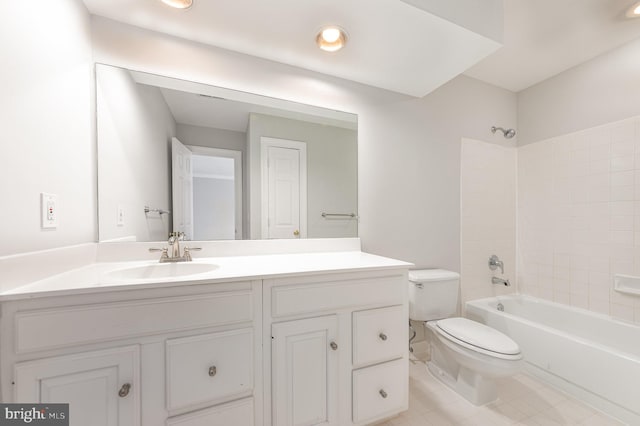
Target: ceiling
419 51
545 37
392 44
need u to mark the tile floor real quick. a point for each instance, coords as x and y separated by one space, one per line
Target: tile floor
523 400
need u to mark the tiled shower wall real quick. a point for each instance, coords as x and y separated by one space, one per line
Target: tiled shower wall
487 217
579 217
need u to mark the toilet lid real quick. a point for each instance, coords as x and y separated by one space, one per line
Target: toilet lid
478 335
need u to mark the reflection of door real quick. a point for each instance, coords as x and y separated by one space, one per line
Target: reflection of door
182 188
217 193
284 201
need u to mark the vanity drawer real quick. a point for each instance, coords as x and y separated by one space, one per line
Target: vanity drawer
209 368
379 335
380 391
237 413
75 325
324 294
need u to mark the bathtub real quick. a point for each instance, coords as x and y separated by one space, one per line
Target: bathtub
588 355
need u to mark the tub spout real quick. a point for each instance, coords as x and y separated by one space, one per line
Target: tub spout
496 280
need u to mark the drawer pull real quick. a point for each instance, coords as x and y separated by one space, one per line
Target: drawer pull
382 336
383 393
124 390
334 346
212 371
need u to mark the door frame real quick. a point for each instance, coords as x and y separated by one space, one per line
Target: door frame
265 144
237 170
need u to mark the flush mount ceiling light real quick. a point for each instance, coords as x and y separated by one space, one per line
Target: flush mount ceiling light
331 39
634 10
178 4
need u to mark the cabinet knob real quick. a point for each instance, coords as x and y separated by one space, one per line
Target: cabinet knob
334 346
383 393
124 390
212 371
382 336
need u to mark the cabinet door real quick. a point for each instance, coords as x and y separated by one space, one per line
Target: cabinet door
101 388
305 372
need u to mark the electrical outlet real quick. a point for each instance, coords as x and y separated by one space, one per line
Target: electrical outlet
120 217
49 210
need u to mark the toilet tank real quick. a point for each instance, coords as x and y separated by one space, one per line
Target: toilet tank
433 294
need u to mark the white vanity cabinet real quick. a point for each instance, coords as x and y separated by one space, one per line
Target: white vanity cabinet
181 355
339 348
102 387
305 371
316 339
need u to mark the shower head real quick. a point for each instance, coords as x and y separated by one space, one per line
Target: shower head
508 133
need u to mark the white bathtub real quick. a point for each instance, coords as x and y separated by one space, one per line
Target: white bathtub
586 354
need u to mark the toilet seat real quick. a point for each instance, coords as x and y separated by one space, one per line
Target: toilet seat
478 338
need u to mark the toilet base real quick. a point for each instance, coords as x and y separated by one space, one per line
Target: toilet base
473 387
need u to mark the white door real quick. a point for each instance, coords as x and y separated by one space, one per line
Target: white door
304 357
102 388
182 188
284 189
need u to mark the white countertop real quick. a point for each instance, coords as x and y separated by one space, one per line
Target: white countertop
99 277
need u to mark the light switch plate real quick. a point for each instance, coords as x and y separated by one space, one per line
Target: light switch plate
120 217
49 210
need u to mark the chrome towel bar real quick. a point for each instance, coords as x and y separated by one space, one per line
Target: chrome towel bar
336 215
148 209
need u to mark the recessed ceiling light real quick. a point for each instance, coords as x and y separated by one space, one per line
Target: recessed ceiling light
178 4
634 11
331 39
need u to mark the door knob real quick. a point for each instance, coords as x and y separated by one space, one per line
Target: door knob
124 390
296 232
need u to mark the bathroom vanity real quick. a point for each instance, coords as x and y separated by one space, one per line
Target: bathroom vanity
265 339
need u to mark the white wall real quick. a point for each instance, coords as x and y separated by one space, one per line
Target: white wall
488 217
409 157
135 127
332 168
600 91
46 107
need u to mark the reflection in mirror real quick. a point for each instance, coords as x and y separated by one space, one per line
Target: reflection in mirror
219 164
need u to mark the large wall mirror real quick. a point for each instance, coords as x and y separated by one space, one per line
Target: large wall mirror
219 164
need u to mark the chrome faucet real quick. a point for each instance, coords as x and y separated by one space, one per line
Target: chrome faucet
495 263
496 280
174 243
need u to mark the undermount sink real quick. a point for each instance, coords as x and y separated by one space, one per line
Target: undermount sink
161 271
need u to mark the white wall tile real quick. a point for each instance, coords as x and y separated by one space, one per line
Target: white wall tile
622 163
622 312
579 223
624 148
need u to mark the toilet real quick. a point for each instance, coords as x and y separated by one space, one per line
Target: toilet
465 355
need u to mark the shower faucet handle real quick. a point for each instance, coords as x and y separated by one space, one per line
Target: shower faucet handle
495 263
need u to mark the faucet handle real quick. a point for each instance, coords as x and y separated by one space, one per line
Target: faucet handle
164 250
495 263
187 252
